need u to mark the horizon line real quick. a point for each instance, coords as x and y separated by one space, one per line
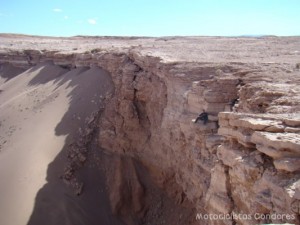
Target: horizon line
144 36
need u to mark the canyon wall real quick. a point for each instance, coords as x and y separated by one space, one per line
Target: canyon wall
237 163
244 160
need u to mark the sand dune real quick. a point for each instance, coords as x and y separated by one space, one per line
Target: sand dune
41 111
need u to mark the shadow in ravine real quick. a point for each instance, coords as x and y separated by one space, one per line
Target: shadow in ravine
8 71
56 203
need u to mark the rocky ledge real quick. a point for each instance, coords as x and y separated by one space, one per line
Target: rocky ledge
261 154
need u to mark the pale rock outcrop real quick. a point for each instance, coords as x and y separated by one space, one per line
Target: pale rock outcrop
266 168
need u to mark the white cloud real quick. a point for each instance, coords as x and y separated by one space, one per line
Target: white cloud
66 17
57 10
92 21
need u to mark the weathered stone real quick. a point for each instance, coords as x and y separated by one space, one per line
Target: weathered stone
224 115
289 141
223 122
252 123
229 156
217 199
273 152
195 104
287 164
276 190
242 138
213 107
292 122
292 130
214 97
275 128
213 140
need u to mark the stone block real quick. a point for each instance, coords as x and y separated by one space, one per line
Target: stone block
287 164
237 134
289 141
273 152
229 156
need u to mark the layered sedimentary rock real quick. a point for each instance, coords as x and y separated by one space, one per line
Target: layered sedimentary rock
245 160
261 153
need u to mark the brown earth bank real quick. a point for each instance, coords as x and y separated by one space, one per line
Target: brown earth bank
100 130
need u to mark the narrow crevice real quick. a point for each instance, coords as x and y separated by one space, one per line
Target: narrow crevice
228 190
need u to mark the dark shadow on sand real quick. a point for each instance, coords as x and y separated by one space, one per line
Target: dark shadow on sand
56 203
8 71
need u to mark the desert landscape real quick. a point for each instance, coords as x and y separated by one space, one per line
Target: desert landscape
100 130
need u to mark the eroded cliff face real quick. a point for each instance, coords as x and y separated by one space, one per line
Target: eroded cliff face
244 161
240 162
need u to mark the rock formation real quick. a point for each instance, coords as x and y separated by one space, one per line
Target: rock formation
244 161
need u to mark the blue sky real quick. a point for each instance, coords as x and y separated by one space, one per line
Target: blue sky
150 17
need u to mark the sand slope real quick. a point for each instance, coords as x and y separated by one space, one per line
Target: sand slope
41 111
